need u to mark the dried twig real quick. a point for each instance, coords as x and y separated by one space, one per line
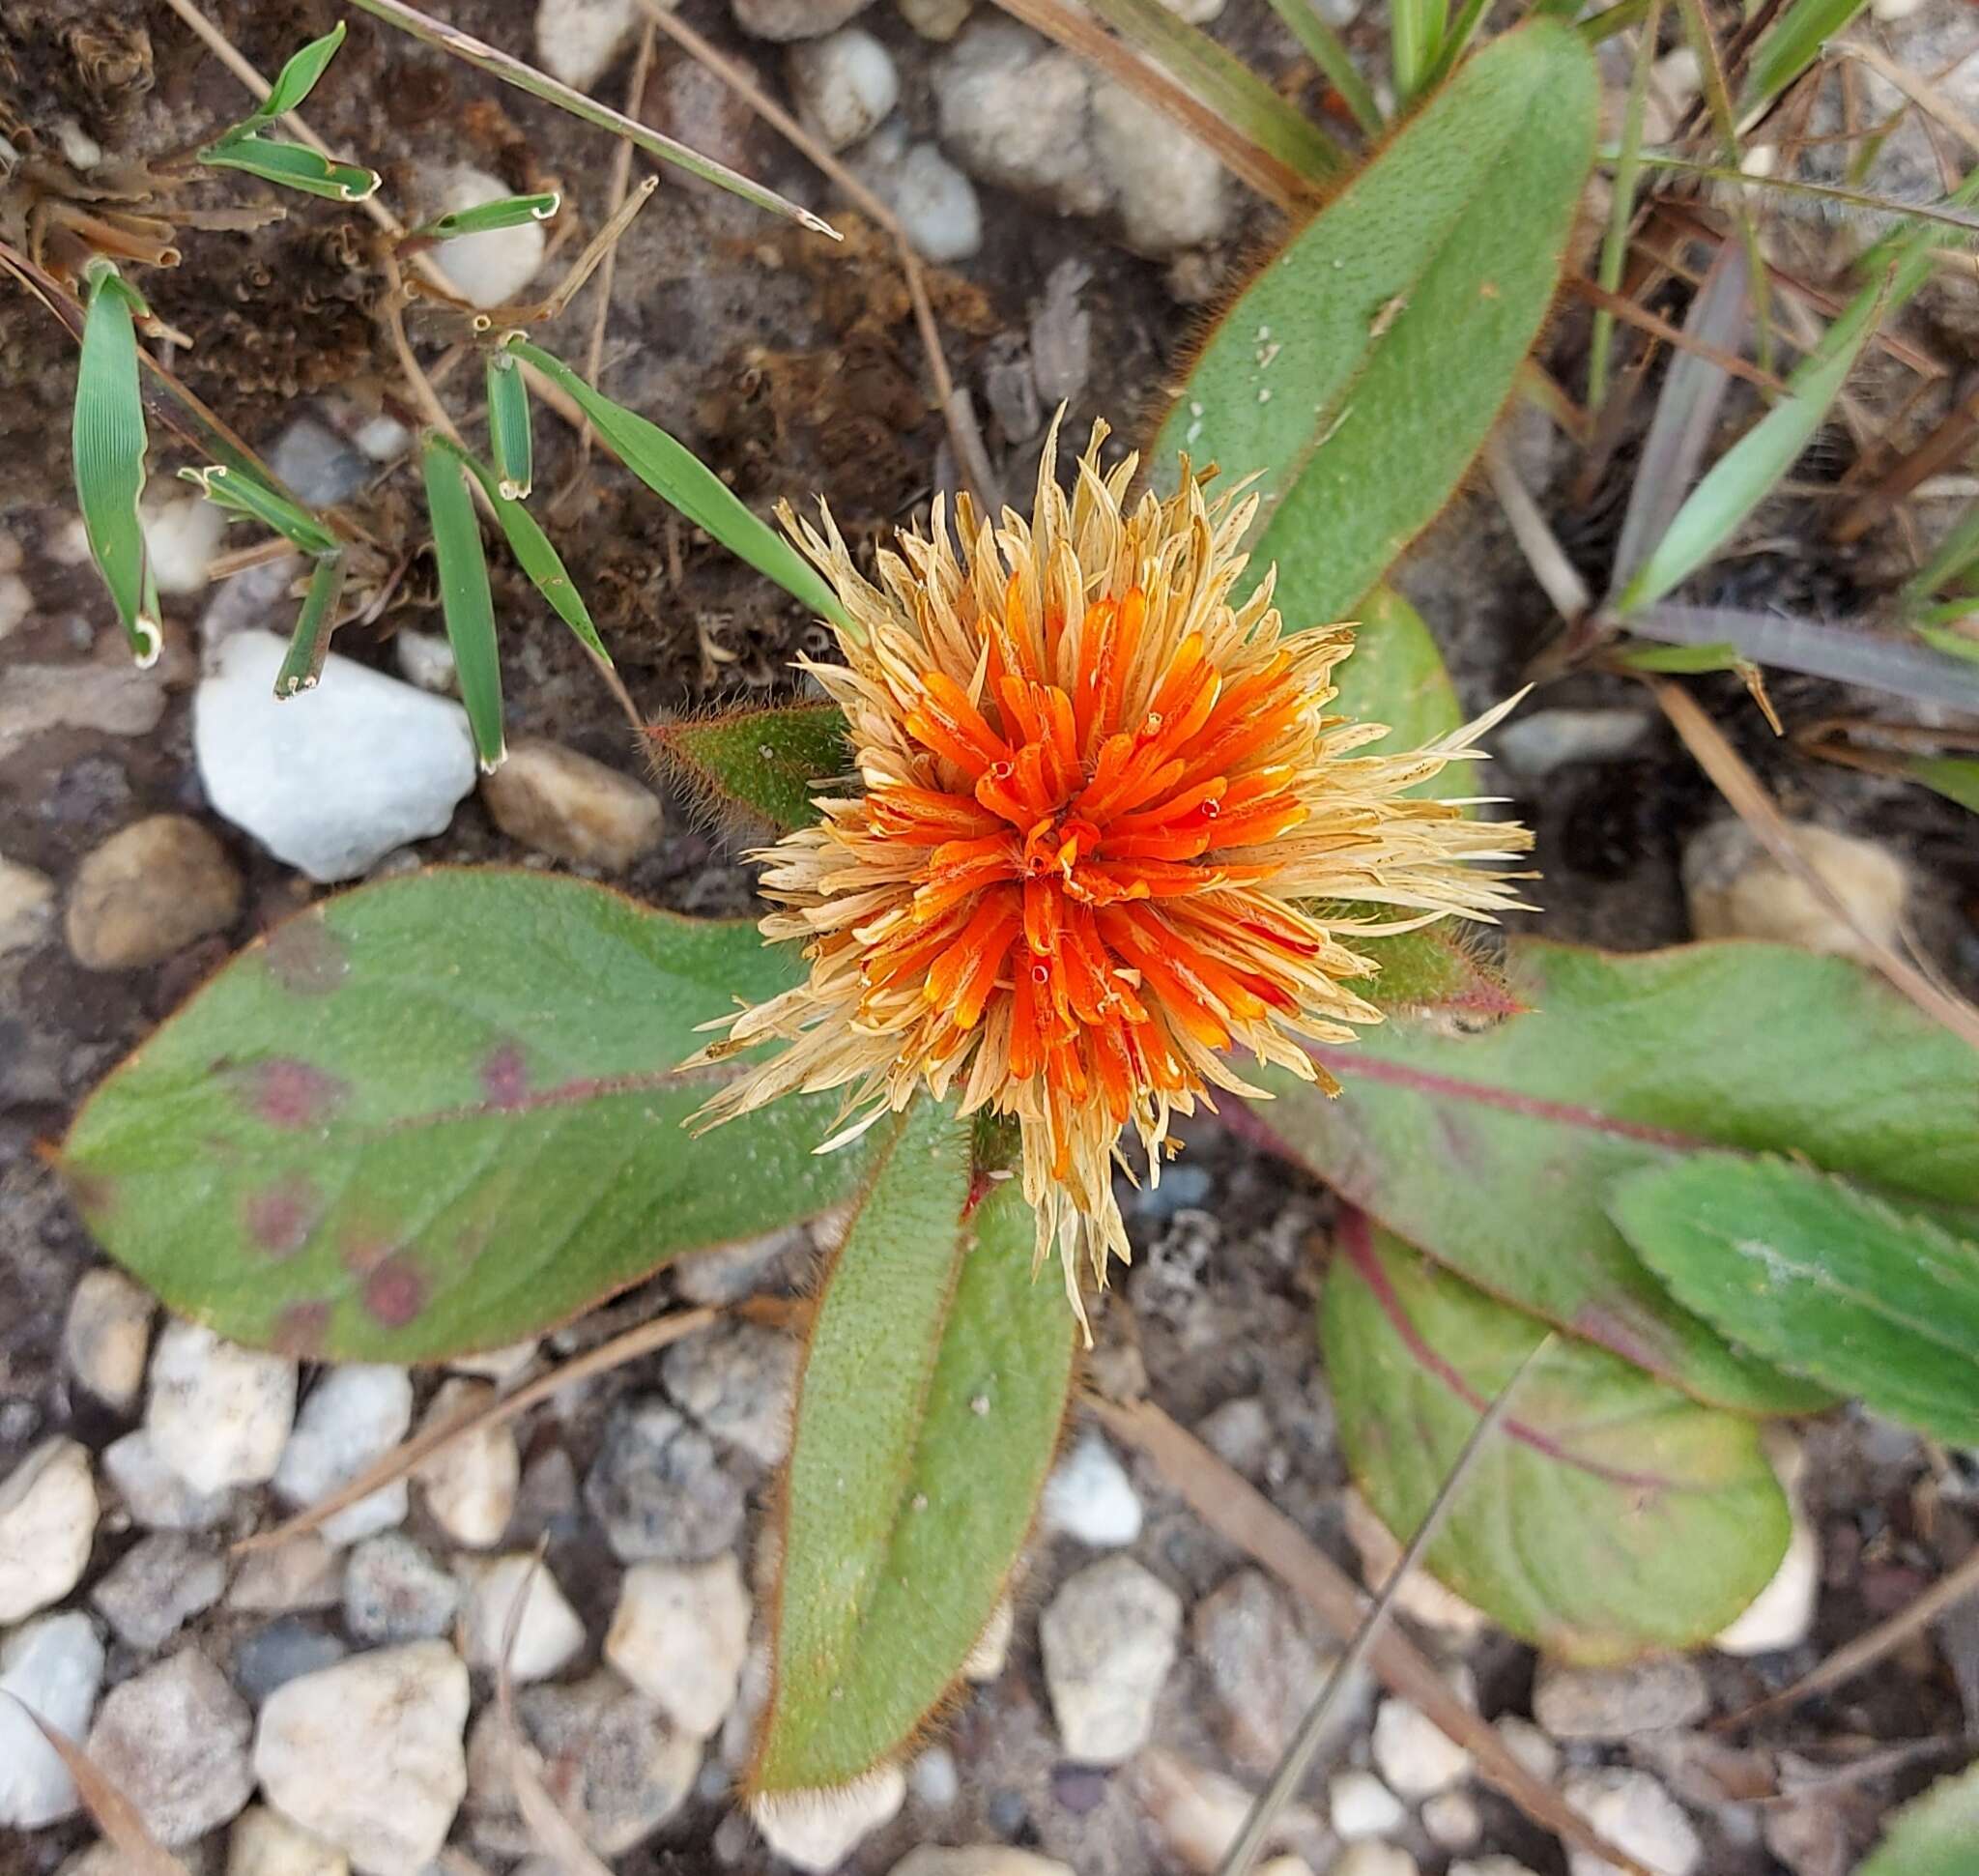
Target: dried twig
483 1415
1866 1650
1556 574
1748 798
1920 91
1238 1514
956 409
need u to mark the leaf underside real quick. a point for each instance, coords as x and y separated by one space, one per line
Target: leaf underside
1932 1835
437 1113
1496 1152
1610 1515
933 1390
765 764
1825 1280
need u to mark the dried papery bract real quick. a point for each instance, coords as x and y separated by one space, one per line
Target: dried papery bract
1100 799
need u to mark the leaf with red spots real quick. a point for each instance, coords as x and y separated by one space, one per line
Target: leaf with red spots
764 765
932 1393
1497 1151
1610 1516
440 1114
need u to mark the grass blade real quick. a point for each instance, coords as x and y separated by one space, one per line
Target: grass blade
296 79
1456 41
239 493
536 558
464 596
526 77
1328 50
1227 85
1621 209
292 166
1942 637
1793 43
1956 556
310 642
505 212
107 440
674 473
1417 30
508 425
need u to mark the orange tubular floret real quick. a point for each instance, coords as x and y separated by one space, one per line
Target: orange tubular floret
952 726
967 969
1185 998
913 949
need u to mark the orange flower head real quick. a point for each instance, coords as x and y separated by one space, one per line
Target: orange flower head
1103 807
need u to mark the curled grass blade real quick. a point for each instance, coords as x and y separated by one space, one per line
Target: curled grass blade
486 218
292 166
508 427
310 642
464 596
107 440
677 477
296 79
540 560
239 493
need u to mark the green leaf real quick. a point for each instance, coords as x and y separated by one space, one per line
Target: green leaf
439 1113
1961 644
509 441
674 474
1820 1277
1362 369
292 166
310 642
1932 1835
768 764
1397 675
1689 660
930 1407
465 600
296 79
1610 1516
1328 50
239 493
485 218
1416 35
542 562
1496 1152
1954 778
1439 967
107 441
1954 559
1793 43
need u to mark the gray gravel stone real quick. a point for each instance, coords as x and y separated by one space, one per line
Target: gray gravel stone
157 1585
283 1651
395 1592
1645 1696
738 1379
658 1487
174 1740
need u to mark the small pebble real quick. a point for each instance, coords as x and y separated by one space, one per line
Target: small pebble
1171 191
157 1586
1090 1497
1645 1696
1240 1434
1452 1820
395 1592
353 1417
425 660
383 438
549 1634
818 1829
789 19
153 1494
1413 1754
843 85
1262 1667
174 1740
368 1754
371 764
47 1524
608 1752
107 1337
940 20
1737 889
659 1489
1016 111
934 203
148 892
263 1842
1108 1639
1636 1814
934 1781
572 808
219 1415
1196 1812
1536 742
181 536
680 1634
301 1573
1781 1615
27 906
490 269
1372 1859
1529 1745
977 1859
53 1668
282 1650
1489 1867
738 1379
985 1662
1361 1806
730 1272
469 1484
498 1365
578 40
